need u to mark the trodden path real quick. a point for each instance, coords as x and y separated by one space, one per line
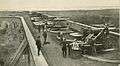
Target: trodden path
54 56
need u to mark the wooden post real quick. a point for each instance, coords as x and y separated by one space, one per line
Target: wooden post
119 44
28 56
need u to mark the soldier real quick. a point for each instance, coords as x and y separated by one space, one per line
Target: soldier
93 49
39 28
38 43
106 30
64 48
61 36
69 49
45 36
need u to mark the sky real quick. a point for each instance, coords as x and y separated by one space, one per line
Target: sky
57 4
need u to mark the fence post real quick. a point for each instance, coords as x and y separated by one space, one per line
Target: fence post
28 56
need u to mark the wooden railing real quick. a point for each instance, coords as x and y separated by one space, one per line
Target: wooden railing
37 60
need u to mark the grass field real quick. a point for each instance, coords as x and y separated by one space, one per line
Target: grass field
11 38
90 16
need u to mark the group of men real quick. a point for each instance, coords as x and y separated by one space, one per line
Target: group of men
65 47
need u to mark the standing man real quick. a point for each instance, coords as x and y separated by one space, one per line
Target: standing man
39 28
38 43
69 49
45 36
64 48
93 49
61 36
106 29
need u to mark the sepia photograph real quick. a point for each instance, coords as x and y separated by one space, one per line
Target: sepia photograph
59 32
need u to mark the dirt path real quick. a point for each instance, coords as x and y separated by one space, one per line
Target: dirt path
55 57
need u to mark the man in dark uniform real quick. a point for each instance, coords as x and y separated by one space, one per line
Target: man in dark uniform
93 49
39 28
64 48
45 36
106 30
38 43
69 49
61 36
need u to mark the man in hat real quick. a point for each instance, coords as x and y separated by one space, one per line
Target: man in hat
64 48
45 36
93 49
38 43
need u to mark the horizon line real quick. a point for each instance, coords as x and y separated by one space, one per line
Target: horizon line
52 9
